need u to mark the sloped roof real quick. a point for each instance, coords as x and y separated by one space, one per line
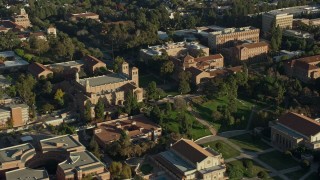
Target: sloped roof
91 61
194 71
37 68
302 124
191 151
252 45
208 58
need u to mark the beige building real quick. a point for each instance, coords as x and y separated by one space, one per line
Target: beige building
111 88
18 114
228 36
174 49
305 69
188 160
309 22
86 15
138 128
22 162
292 130
283 20
22 19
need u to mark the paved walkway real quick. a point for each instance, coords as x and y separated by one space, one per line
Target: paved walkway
202 121
254 156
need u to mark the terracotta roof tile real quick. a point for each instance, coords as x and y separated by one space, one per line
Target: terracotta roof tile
91 61
252 45
190 150
300 123
208 58
37 68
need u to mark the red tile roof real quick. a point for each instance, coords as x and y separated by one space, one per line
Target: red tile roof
194 71
300 123
37 68
91 61
208 58
190 150
310 59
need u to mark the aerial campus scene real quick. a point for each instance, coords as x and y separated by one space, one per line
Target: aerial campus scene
159 89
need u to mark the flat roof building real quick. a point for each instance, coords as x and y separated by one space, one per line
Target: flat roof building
22 162
15 115
228 36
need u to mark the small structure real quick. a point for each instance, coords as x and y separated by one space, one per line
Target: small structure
86 15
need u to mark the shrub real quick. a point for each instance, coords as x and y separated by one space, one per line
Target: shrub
19 52
288 154
262 175
28 57
248 164
219 145
305 164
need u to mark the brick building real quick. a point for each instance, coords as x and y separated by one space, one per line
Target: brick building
22 19
228 36
305 69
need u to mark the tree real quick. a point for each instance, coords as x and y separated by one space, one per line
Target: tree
99 109
156 115
184 87
47 87
59 97
87 111
118 61
25 86
94 147
47 108
263 174
152 92
168 107
167 68
115 169
126 172
131 105
39 45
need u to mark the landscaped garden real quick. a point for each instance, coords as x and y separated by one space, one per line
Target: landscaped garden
173 125
246 168
225 149
241 116
249 142
278 160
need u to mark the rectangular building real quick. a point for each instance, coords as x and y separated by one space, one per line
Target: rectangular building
292 130
227 37
16 115
283 20
305 69
188 160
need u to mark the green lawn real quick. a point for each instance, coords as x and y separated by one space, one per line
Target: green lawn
243 110
197 131
250 173
146 79
313 176
146 169
296 174
249 142
278 160
227 151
